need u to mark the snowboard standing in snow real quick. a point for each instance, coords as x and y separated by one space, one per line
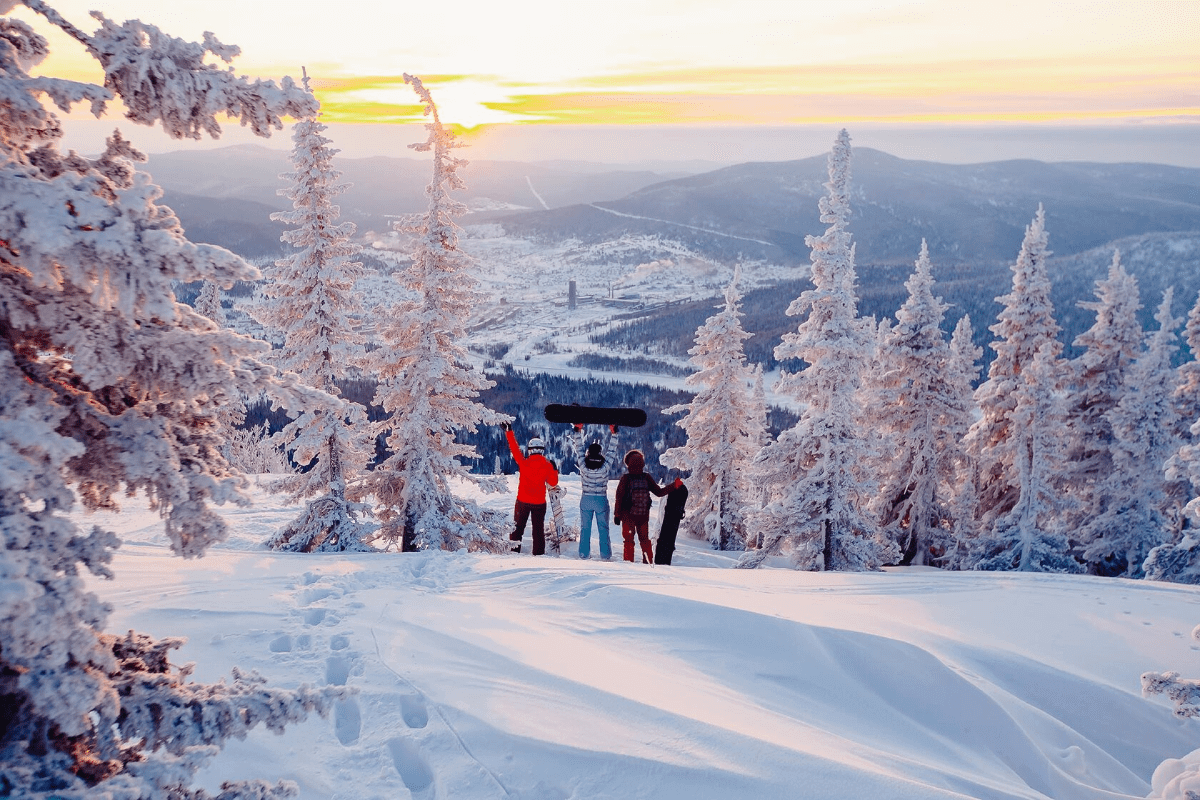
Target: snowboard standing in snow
558 519
672 515
594 415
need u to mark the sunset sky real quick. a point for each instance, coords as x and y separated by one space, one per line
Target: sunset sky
754 62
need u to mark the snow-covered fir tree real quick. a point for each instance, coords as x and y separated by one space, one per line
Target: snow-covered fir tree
309 297
1098 379
427 389
917 410
208 303
962 369
1187 389
722 437
1028 536
1186 402
1133 521
1179 560
819 491
111 386
1026 326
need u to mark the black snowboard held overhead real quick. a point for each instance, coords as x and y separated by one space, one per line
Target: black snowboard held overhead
591 415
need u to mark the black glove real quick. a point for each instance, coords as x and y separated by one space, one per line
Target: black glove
506 426
613 428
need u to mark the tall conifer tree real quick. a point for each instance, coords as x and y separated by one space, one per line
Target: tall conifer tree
309 297
916 408
427 388
1134 520
1026 326
722 435
819 491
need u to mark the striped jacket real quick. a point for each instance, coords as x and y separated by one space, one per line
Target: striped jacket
595 481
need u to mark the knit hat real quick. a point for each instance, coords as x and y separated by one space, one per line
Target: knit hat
536 445
594 459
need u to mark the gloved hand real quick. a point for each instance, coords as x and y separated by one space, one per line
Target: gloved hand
616 519
578 426
506 426
613 428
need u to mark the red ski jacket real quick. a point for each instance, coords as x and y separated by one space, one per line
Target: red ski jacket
536 474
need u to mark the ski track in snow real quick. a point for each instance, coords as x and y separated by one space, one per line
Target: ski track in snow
680 225
553 678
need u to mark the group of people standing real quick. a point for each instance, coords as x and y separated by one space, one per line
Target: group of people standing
632 509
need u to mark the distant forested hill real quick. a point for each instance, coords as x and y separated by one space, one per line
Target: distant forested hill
1157 260
974 213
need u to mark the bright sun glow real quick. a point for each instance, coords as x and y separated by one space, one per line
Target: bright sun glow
706 61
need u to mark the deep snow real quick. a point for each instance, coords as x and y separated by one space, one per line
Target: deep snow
483 676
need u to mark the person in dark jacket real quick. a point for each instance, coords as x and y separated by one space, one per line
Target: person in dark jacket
632 511
536 474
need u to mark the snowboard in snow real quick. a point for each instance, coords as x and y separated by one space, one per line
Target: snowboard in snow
672 514
593 415
557 519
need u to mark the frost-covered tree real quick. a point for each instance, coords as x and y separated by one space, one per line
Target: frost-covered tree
1187 414
208 303
1026 326
1096 384
918 410
1187 390
309 297
110 386
962 369
1133 520
722 438
813 469
1179 561
427 388
1028 536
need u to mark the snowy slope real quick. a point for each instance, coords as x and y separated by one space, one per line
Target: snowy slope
554 678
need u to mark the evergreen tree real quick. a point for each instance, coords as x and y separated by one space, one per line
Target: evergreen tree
309 297
1187 389
722 439
110 386
917 411
426 388
1187 411
1134 520
1098 382
208 303
1026 326
813 469
1027 536
962 370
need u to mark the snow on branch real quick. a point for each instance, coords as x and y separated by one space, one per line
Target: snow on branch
163 78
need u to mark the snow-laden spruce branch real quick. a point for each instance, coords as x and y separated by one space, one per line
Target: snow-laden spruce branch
108 386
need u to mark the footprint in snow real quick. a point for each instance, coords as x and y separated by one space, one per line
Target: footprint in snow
414 711
413 769
347 721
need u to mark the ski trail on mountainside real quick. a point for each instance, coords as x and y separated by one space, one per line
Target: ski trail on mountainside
680 225
535 193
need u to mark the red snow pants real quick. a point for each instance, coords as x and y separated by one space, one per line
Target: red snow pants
642 529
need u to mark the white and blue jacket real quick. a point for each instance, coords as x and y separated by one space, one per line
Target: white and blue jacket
595 481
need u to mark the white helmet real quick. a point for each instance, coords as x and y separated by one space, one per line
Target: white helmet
536 445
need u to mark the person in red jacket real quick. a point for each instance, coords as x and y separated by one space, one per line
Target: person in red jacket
632 511
536 474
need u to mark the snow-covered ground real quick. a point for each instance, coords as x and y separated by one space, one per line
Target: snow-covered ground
552 678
